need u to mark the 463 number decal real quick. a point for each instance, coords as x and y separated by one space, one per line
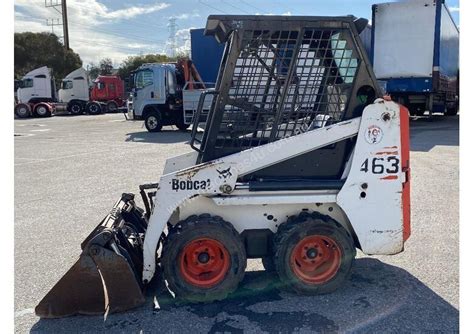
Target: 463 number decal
389 165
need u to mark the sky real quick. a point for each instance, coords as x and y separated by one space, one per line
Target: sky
116 29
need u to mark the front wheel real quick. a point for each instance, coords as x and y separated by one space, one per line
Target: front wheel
203 259
153 121
22 110
313 254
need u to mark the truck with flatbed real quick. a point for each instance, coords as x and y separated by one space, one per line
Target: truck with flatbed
167 94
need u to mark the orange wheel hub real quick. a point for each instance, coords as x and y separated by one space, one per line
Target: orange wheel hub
316 259
204 262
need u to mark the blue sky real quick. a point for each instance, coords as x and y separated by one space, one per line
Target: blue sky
117 29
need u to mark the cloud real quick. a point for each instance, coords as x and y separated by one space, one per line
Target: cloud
454 9
186 16
92 43
131 12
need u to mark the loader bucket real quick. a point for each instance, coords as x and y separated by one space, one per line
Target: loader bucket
106 278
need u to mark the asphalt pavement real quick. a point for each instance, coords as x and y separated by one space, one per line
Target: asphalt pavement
69 171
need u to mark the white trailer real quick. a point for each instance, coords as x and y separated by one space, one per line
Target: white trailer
415 50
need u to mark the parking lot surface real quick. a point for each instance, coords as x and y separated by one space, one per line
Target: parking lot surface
69 171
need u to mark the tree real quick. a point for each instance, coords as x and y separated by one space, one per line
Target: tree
106 66
33 50
94 71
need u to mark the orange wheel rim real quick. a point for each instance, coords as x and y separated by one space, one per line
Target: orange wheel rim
316 259
204 262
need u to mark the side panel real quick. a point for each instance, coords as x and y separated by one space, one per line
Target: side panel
258 216
372 195
448 51
403 39
206 54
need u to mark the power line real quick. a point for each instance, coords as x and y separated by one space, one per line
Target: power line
205 4
236 7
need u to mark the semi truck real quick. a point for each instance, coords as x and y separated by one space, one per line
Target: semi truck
37 94
415 52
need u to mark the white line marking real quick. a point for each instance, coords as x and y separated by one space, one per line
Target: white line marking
24 312
63 157
40 130
19 135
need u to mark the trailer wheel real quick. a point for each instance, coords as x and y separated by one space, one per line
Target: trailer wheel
42 110
112 106
313 253
94 108
22 110
453 111
74 108
203 259
417 109
153 121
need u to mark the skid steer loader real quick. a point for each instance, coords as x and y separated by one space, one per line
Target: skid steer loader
300 162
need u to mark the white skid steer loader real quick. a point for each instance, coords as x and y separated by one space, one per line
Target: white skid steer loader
300 162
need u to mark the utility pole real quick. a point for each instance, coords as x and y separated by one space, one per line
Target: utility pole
55 4
65 26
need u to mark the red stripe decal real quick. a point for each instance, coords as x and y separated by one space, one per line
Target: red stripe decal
405 156
390 177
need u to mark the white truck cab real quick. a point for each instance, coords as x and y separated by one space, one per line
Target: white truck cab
75 86
37 86
160 97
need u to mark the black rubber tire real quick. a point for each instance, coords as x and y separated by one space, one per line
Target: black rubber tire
22 110
153 121
299 227
112 106
42 110
269 264
417 109
75 108
452 111
93 108
181 126
202 226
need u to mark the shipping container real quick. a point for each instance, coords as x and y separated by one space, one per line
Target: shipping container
415 49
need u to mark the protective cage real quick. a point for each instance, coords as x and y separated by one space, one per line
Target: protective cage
281 76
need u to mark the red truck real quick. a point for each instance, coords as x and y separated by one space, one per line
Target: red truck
108 90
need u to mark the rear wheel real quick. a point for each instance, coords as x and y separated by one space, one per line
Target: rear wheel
181 125
313 253
453 111
22 110
112 106
153 121
75 108
94 108
42 110
203 259
417 109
